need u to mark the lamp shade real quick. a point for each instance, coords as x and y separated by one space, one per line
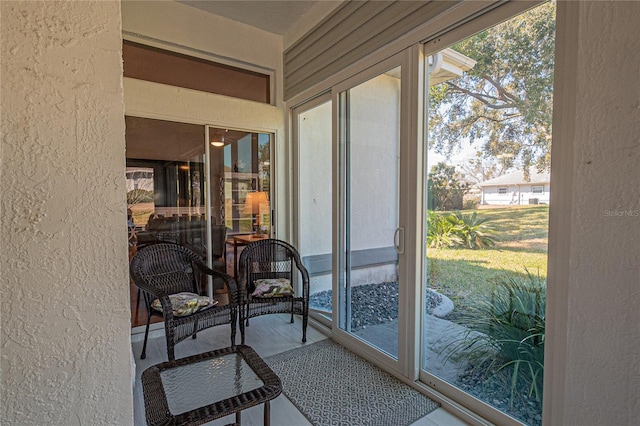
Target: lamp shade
253 201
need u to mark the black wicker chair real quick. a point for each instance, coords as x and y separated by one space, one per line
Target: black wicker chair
163 269
269 259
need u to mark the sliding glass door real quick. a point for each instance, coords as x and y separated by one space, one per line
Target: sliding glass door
313 149
197 186
371 236
489 121
422 206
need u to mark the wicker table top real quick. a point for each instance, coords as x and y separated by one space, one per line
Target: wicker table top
204 387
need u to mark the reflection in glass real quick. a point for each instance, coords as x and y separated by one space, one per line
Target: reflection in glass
166 183
315 203
241 166
370 146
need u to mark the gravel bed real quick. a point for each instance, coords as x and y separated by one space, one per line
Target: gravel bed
371 303
368 309
494 390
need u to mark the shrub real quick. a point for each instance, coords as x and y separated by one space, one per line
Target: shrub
441 232
458 230
470 204
506 333
474 231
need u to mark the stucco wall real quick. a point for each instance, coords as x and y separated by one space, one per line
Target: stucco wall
65 298
592 369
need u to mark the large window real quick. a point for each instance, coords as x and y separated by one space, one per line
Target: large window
430 279
486 263
169 168
240 168
370 234
312 130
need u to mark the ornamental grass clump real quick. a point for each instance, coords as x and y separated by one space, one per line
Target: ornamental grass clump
506 334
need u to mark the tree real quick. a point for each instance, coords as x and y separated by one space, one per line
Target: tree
480 168
446 188
139 186
505 100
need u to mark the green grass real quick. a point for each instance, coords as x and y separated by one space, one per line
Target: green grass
465 276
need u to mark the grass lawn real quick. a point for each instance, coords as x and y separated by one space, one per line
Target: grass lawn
466 275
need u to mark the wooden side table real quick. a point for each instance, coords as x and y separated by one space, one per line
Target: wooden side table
208 386
243 240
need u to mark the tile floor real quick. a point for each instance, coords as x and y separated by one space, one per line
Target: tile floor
268 335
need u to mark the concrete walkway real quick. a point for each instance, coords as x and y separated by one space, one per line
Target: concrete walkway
438 335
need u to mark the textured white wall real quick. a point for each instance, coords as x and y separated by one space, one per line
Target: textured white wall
374 162
593 349
65 298
315 175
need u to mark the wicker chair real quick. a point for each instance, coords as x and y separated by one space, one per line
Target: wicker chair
163 269
269 259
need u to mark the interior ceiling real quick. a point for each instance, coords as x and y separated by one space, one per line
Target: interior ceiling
149 139
276 17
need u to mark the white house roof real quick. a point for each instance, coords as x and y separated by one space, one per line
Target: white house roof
517 178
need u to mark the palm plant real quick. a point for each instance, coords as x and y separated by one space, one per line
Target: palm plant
441 232
473 230
458 230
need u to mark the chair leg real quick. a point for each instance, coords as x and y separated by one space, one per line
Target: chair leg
137 302
305 320
195 329
146 335
234 318
242 315
170 345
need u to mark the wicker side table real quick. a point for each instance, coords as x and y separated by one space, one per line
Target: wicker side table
205 387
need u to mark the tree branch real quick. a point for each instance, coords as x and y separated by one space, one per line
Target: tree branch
501 89
481 98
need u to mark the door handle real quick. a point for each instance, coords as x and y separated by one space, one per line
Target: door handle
398 240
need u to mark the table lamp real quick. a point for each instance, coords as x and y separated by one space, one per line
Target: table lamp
252 206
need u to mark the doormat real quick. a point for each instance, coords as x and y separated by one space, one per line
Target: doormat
331 385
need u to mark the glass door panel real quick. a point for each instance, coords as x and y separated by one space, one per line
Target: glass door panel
165 179
370 158
241 166
312 130
486 242
241 193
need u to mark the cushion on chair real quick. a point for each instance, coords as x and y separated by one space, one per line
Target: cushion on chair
272 287
184 304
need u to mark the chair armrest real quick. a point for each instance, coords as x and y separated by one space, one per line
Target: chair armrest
228 280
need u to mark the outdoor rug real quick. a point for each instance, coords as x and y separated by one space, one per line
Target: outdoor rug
331 385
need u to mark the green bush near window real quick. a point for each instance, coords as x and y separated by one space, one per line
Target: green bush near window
506 333
441 232
459 230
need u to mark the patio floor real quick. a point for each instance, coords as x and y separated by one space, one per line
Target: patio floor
438 334
268 335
